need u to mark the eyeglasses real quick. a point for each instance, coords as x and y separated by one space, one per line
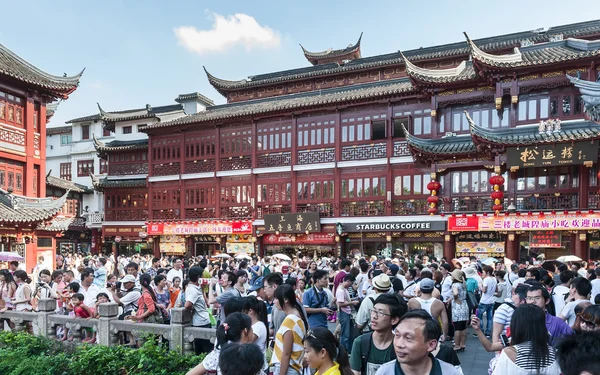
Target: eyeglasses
378 313
534 299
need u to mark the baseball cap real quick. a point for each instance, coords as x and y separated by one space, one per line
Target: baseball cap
394 269
426 285
128 279
257 284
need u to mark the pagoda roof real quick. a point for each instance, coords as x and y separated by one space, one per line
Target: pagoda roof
195 96
349 53
61 183
463 48
68 129
427 148
18 209
103 183
17 68
131 114
530 134
293 102
117 146
62 224
463 72
538 54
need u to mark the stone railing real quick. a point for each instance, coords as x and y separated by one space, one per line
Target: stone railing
179 333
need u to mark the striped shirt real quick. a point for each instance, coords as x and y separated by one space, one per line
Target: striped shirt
526 360
296 325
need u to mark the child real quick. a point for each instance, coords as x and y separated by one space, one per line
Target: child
66 295
83 311
101 298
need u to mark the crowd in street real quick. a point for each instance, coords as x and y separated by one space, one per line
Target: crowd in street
276 315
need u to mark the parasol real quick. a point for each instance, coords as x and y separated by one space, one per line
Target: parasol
489 261
242 256
282 257
550 264
464 260
508 262
224 256
8 256
569 258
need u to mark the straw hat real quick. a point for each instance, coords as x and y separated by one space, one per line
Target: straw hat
470 272
458 275
382 283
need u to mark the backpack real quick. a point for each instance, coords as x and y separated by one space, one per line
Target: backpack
365 348
266 271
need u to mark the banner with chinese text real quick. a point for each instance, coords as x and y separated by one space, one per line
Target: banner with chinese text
489 248
545 238
209 227
548 155
584 221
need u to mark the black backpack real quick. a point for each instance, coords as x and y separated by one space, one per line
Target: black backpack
365 348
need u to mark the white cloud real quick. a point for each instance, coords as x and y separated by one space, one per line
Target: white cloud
97 85
228 32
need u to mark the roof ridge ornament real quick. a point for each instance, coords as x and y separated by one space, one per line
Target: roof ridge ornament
489 59
349 53
415 70
590 94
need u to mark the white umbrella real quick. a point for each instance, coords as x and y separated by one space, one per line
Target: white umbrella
242 256
282 257
224 256
8 256
568 258
489 261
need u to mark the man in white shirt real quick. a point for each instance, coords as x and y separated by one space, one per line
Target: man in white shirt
486 304
595 285
512 276
561 291
88 288
176 271
579 290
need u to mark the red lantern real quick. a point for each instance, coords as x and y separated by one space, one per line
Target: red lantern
433 199
434 185
497 195
598 174
497 180
432 211
498 207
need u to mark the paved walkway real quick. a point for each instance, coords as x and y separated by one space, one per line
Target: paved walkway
474 360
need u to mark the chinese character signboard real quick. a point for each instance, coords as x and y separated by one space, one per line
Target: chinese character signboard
528 223
207 228
480 236
312 239
463 223
486 249
548 155
545 238
293 223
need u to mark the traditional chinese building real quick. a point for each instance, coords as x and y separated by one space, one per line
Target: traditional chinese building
25 214
390 149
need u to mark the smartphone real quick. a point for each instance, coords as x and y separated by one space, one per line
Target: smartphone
477 313
504 340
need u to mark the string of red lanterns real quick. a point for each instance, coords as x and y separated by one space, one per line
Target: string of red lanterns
433 199
497 194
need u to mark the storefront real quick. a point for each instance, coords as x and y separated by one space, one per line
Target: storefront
125 240
411 236
531 235
481 245
201 238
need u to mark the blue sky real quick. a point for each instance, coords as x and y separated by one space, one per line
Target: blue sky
139 52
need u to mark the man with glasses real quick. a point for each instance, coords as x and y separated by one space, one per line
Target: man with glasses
539 296
415 338
371 350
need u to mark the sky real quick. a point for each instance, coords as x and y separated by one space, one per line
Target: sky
148 52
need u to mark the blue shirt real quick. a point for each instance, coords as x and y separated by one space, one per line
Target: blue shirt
314 299
100 277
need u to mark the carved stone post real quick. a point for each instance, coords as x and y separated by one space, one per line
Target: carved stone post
179 319
108 311
47 307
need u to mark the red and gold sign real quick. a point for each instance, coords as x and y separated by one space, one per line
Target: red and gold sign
203 227
583 221
546 238
312 238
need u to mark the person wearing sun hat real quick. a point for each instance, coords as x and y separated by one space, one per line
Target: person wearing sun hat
381 284
460 309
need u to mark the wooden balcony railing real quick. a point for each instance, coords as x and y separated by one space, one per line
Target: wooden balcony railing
200 213
128 169
261 211
552 201
364 152
200 166
166 214
165 169
469 204
411 207
320 155
274 159
376 208
126 215
324 209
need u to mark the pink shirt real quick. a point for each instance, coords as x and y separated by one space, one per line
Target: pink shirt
342 296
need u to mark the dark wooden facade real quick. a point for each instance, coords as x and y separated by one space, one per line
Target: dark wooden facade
364 138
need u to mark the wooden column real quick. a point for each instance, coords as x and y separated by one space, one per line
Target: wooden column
512 251
30 161
449 246
580 241
584 185
41 183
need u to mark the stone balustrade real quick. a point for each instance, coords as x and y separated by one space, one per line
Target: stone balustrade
180 334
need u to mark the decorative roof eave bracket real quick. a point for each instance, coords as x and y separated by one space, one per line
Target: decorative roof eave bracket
489 59
415 71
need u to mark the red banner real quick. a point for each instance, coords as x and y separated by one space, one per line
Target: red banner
208 228
463 223
569 221
309 239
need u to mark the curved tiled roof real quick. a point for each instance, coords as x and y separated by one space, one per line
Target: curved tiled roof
463 72
495 43
447 146
293 102
104 183
65 184
59 130
129 114
349 52
17 209
118 146
530 135
195 96
15 67
62 224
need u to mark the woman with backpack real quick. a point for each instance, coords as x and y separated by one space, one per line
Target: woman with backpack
148 310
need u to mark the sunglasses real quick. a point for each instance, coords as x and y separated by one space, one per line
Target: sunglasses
588 323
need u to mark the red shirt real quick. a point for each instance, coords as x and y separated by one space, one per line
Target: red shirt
81 312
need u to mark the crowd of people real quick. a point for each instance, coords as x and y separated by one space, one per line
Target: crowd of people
391 316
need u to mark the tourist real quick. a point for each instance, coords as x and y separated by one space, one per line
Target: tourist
127 297
372 349
255 270
580 354
316 302
257 311
460 310
147 311
257 289
501 292
345 305
81 310
174 291
132 269
529 351
557 328
381 284
434 307
240 359
323 353
176 271
560 292
287 353
486 304
240 285
22 297
271 282
415 338
345 267
590 319
579 291
237 328
503 314
227 282
163 296
100 274
595 284
88 289
8 288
